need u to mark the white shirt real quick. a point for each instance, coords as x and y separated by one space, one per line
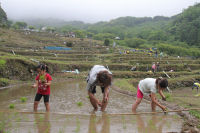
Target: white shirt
93 74
148 86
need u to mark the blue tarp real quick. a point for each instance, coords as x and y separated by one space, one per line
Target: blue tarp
56 48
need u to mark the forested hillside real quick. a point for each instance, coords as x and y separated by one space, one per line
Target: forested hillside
186 26
176 35
3 17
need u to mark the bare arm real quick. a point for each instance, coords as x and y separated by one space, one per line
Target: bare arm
35 84
48 83
106 91
153 98
162 95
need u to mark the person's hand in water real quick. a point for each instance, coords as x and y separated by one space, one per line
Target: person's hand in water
105 99
99 103
164 98
164 108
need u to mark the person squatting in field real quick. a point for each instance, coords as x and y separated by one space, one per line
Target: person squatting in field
99 76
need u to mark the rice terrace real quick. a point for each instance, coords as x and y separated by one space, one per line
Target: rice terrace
75 77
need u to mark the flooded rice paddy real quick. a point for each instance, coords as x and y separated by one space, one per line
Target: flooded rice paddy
71 112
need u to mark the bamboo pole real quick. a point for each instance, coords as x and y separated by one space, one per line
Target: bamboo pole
138 113
168 111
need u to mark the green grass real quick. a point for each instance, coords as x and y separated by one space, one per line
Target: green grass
2 62
196 114
125 84
23 99
168 96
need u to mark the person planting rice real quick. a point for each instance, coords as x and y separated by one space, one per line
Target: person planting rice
43 82
153 67
99 76
149 86
196 85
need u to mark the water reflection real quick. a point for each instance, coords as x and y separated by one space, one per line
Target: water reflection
95 122
153 125
42 122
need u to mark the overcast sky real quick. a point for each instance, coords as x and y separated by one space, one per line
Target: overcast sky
92 10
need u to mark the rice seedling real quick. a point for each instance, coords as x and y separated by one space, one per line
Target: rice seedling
11 106
79 104
23 99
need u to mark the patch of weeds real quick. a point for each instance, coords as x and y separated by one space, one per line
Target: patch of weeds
4 82
168 96
195 113
79 104
87 97
23 99
2 63
11 106
125 84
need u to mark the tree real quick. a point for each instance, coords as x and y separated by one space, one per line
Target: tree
69 44
51 29
20 25
80 33
31 27
135 42
106 42
102 36
186 26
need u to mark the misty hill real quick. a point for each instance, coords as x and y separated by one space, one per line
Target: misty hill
51 22
179 31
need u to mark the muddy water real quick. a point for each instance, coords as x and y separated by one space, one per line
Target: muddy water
64 98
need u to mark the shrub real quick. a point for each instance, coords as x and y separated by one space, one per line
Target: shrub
106 42
69 44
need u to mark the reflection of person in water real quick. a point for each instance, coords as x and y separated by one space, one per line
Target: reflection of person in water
43 123
104 121
154 125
